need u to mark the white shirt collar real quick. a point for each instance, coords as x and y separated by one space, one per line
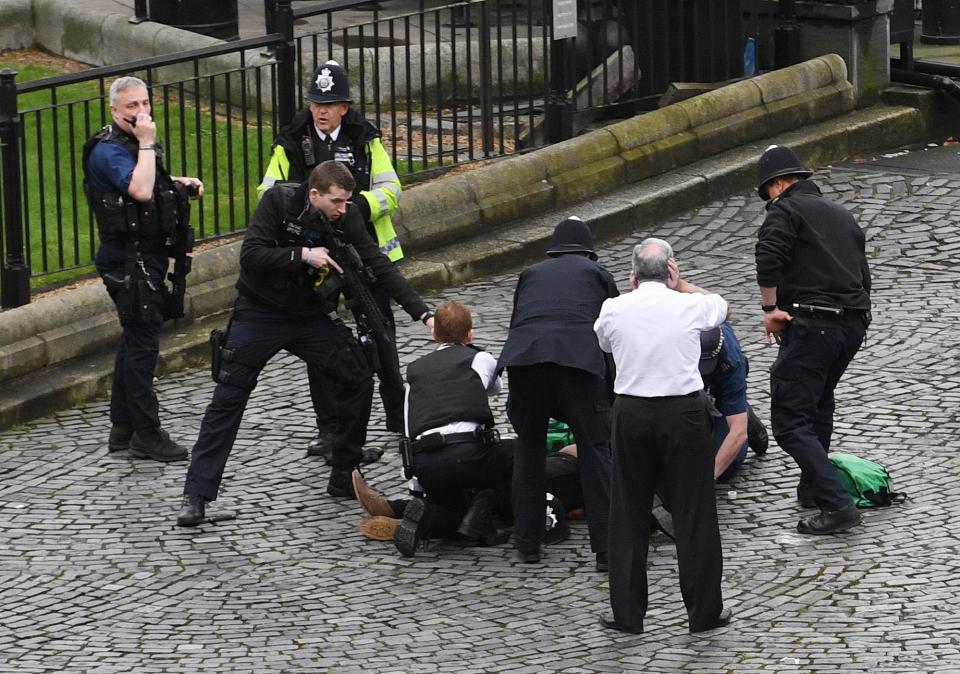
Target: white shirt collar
333 134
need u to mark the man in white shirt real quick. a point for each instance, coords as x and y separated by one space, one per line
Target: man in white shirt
661 438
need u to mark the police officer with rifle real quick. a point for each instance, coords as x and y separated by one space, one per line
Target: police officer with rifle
142 216
302 243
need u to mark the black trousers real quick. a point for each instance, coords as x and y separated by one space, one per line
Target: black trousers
451 475
814 354
537 394
133 402
663 445
391 381
257 333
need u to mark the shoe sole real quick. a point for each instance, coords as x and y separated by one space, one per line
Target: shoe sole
183 522
405 537
379 528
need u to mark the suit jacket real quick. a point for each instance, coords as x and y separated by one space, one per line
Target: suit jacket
554 307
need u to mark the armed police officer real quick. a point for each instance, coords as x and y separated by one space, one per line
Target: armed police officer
300 245
331 129
142 218
815 288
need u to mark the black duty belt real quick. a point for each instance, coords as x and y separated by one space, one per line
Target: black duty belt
817 311
431 441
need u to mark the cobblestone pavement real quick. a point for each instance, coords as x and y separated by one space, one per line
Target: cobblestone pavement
95 576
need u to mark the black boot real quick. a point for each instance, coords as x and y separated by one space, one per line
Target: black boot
478 524
757 437
830 521
192 511
341 483
410 531
120 436
156 444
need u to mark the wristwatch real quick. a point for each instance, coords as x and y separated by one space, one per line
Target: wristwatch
767 308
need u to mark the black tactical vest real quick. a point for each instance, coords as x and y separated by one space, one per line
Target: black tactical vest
121 219
444 389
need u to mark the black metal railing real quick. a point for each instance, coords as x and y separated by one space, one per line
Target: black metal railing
446 83
217 110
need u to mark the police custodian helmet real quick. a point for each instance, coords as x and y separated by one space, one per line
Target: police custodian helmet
775 162
572 236
329 84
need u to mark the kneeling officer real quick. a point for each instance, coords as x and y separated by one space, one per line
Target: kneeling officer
285 260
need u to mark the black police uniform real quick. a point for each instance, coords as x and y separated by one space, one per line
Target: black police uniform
132 261
556 370
305 150
812 251
278 309
445 389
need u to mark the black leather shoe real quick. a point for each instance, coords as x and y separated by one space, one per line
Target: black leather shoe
722 621
830 521
321 446
529 557
603 563
192 511
370 454
757 437
805 495
156 444
119 438
408 534
340 484
608 621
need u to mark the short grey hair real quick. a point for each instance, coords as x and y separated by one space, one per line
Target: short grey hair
650 258
122 84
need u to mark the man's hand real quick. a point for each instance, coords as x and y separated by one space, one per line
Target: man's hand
429 324
319 258
774 323
189 182
145 130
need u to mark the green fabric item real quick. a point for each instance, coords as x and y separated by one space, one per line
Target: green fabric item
867 481
558 436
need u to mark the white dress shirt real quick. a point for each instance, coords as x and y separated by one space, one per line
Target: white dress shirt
653 333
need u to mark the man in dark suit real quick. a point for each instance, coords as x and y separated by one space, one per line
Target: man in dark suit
556 370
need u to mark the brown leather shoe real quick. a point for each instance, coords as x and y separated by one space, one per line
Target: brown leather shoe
379 528
373 502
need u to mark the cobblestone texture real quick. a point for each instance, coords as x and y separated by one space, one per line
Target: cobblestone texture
95 577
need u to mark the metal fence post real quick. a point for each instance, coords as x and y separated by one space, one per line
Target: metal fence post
786 37
486 82
286 64
269 16
139 11
559 105
16 271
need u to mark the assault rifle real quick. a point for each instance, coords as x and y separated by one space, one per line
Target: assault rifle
354 283
179 248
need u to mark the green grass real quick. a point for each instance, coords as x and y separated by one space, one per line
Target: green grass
55 208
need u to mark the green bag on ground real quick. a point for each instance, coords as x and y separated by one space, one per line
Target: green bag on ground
867 481
559 436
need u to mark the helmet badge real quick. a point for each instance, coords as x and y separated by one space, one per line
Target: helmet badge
325 80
